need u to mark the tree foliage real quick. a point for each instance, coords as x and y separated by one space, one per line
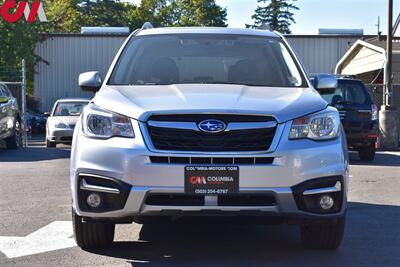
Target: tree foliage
200 13
69 16
277 14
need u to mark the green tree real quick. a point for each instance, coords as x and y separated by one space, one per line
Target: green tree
166 13
277 14
70 16
159 12
200 13
63 16
106 13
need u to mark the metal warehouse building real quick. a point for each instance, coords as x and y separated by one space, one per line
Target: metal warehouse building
65 56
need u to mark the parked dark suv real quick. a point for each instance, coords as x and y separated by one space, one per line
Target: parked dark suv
9 118
358 114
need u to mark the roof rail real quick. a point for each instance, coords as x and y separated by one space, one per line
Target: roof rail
147 25
338 76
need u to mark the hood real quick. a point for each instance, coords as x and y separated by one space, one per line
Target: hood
139 102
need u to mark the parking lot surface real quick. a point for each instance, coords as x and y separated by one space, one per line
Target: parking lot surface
35 229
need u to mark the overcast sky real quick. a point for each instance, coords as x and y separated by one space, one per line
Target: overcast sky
314 14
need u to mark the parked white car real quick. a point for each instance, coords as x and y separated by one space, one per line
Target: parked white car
62 120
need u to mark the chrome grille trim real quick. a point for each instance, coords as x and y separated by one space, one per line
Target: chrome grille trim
174 125
278 134
232 126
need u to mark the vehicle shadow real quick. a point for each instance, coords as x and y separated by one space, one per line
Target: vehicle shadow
32 154
381 159
372 238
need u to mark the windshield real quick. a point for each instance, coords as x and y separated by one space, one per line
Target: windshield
206 58
69 109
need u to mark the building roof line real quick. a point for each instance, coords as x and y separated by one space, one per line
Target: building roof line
353 48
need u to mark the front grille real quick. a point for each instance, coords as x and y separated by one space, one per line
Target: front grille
242 200
209 160
172 139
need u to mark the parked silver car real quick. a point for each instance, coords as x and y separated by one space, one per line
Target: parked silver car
62 120
208 122
10 120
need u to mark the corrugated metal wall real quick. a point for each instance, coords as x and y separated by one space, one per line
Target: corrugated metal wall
70 55
67 57
320 54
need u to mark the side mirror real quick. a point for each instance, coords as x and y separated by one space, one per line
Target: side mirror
325 84
3 99
47 114
90 81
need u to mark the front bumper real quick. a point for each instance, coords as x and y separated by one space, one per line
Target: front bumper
61 135
128 161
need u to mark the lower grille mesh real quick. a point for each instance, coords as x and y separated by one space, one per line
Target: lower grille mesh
243 200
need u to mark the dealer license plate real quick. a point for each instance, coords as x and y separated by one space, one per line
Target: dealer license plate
211 180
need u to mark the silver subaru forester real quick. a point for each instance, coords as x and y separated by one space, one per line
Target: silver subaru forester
208 122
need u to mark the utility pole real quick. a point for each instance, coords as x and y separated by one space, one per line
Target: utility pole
378 25
389 50
388 117
23 105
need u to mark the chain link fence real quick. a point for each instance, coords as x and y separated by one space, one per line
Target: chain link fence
377 90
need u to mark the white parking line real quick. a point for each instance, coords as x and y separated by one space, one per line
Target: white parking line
395 153
54 236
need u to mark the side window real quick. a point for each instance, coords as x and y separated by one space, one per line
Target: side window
334 98
353 93
2 91
5 91
359 96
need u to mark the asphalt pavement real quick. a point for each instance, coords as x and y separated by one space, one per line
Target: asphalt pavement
35 229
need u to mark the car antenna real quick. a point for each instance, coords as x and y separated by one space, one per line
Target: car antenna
147 25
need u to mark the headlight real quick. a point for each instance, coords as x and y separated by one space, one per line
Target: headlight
98 123
323 125
61 125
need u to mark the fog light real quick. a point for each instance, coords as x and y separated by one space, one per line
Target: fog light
93 200
326 202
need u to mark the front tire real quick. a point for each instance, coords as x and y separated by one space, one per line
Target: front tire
50 144
367 153
323 235
14 141
92 235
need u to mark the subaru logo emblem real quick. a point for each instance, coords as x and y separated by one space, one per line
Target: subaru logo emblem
212 126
